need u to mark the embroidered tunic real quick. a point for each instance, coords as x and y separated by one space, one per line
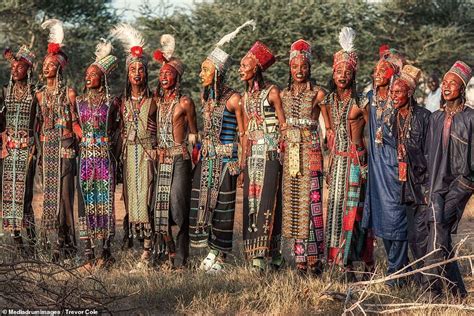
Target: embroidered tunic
18 167
302 175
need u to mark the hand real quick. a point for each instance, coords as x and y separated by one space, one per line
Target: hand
193 139
240 180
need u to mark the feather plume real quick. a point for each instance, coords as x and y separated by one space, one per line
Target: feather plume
167 43
128 36
102 49
56 31
229 37
346 39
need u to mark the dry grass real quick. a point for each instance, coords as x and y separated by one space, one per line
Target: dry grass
240 291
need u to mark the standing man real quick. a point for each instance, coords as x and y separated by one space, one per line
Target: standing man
433 99
176 128
98 113
138 120
384 210
18 113
215 177
264 119
410 128
451 168
59 132
303 162
346 241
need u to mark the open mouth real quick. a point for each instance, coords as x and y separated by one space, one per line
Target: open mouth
164 82
88 82
342 81
299 76
446 92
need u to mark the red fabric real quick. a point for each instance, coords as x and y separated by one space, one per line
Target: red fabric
301 45
348 220
333 254
262 54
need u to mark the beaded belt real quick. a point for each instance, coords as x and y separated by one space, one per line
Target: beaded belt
68 152
20 143
353 153
173 152
95 140
301 122
221 150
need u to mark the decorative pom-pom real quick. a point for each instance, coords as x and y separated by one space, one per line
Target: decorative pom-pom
383 49
137 51
300 46
159 56
54 48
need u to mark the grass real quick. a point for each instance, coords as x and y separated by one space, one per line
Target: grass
239 291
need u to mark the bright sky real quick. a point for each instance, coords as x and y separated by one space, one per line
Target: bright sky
132 5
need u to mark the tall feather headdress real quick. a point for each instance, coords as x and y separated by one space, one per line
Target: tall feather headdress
103 58
131 39
56 35
218 56
347 54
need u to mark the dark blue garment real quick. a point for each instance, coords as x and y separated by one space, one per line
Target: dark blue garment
383 210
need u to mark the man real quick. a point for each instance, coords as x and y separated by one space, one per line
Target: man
59 133
138 120
433 99
450 143
303 162
18 113
98 113
176 127
346 241
215 175
384 210
263 121
410 128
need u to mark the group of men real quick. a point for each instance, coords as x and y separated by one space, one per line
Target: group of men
409 187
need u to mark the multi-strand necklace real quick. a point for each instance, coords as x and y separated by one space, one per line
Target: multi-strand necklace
19 91
94 100
403 128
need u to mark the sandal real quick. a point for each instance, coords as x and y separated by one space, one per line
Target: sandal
217 268
209 261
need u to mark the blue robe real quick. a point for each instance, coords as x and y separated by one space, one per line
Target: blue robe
383 210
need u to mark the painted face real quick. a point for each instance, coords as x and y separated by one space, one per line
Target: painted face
400 94
299 68
93 77
19 70
433 84
50 67
137 74
168 76
248 68
342 75
451 87
207 73
382 74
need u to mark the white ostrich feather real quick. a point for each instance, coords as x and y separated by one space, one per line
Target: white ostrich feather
128 36
168 44
346 39
103 49
229 37
56 32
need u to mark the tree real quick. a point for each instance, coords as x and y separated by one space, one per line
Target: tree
85 21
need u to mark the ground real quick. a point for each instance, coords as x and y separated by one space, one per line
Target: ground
241 291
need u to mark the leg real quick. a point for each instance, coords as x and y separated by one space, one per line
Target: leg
397 257
180 197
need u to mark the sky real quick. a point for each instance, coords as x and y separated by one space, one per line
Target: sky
131 6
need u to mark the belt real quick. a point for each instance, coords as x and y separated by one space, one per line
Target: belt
221 150
95 140
301 122
19 143
173 152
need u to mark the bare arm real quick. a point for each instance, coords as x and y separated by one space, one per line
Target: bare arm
234 105
188 105
76 128
275 100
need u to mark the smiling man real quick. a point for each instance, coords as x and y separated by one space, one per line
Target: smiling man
451 168
346 241
176 128
18 113
410 128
